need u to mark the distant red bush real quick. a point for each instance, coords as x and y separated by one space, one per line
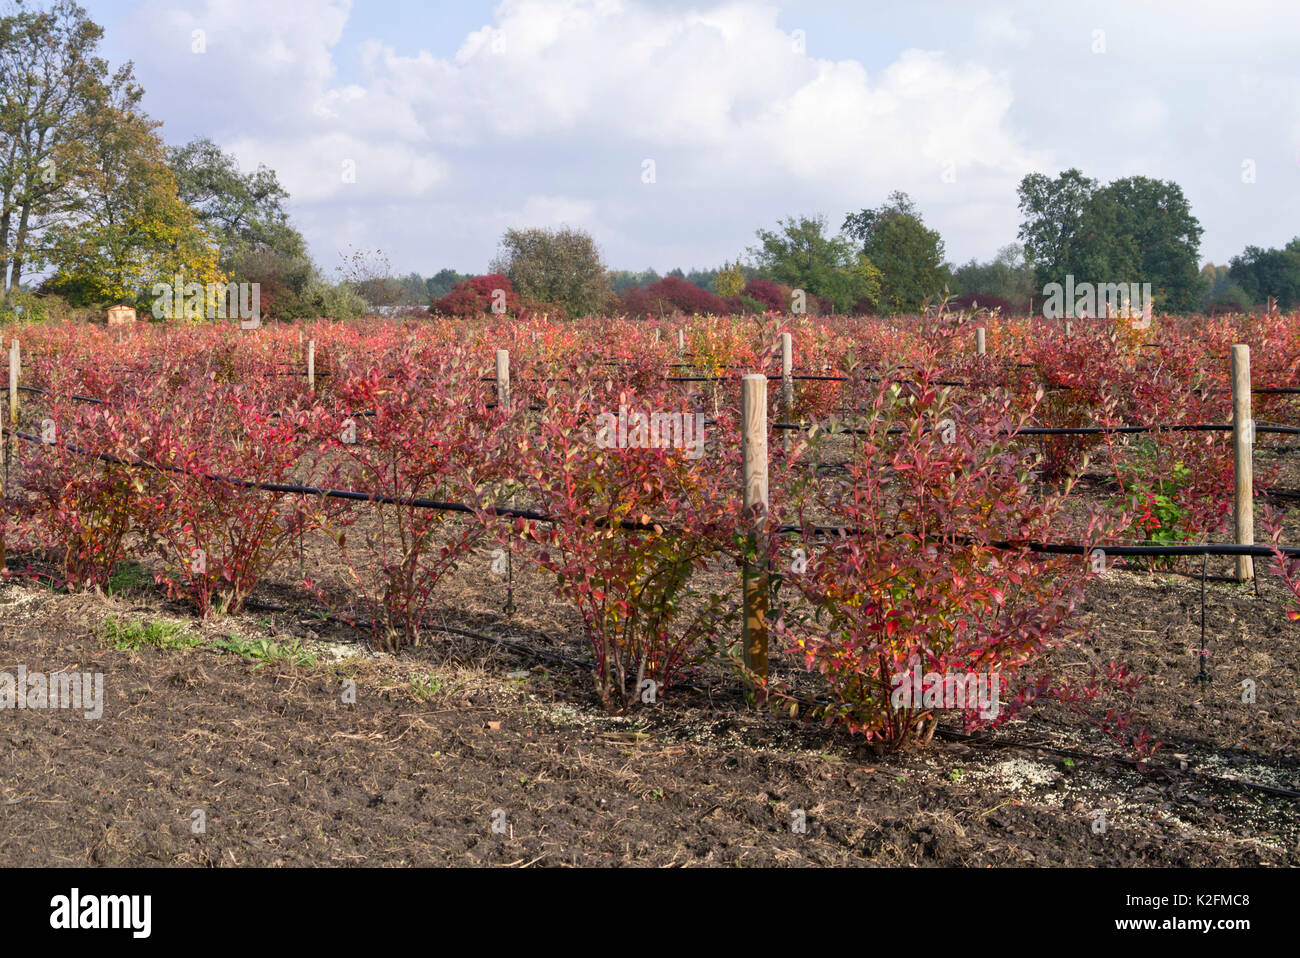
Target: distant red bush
772 295
475 296
985 301
672 294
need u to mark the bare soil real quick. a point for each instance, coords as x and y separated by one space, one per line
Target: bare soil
449 739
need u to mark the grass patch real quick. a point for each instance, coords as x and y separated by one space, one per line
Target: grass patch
129 577
157 634
264 650
168 636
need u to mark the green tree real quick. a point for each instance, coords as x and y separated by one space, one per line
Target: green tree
908 255
1158 234
53 85
130 228
1068 229
240 211
1262 273
1135 229
414 290
624 279
440 283
1008 276
799 254
560 266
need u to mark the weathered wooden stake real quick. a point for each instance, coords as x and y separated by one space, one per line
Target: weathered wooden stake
13 424
787 385
503 378
10 445
681 340
1243 439
753 410
15 364
311 364
979 341
787 371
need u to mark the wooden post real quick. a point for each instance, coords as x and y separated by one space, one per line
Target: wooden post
753 411
681 340
787 386
15 364
503 378
311 364
979 341
10 446
1243 439
787 370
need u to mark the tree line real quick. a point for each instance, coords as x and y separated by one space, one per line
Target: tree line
95 208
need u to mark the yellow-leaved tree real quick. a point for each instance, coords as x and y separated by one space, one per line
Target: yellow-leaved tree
128 228
730 280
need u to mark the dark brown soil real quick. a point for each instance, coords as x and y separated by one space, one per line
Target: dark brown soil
443 742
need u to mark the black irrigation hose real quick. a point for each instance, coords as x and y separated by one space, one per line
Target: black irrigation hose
1071 549
1064 430
1045 548
345 494
45 392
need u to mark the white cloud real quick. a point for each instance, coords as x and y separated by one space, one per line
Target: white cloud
545 113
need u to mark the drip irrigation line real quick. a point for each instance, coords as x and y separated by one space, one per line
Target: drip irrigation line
1071 549
1060 430
45 392
1044 548
345 494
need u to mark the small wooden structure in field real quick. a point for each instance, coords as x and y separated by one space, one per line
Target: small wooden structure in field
120 315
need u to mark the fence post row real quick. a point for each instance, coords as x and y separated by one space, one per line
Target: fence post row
753 411
1243 438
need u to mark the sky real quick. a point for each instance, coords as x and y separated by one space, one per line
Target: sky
673 131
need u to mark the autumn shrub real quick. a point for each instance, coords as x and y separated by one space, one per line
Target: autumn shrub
198 456
75 508
933 569
430 435
633 526
478 296
773 296
669 295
